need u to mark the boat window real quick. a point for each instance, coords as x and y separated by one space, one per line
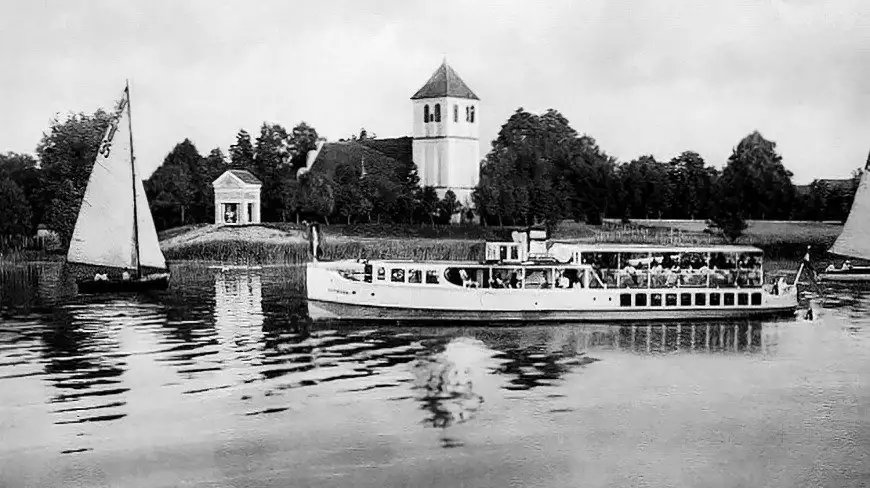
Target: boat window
539 278
604 266
728 299
664 269
397 276
635 270
671 299
368 273
569 278
693 269
700 299
467 277
715 299
723 268
756 298
685 299
382 274
506 278
625 299
640 300
749 269
415 276
655 299
743 299
432 276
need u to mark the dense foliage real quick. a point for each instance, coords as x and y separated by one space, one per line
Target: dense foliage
539 169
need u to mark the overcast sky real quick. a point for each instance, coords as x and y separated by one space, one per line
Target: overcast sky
642 77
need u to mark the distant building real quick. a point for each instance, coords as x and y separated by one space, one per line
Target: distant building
237 198
444 143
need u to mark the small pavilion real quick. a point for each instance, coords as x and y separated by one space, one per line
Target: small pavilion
237 198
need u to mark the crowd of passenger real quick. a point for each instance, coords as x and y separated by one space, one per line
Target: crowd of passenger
691 270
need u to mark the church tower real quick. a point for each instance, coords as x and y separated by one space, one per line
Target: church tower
446 146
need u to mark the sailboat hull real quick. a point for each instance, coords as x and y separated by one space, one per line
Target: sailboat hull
857 273
144 284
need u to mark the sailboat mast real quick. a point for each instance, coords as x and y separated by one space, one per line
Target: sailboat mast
133 169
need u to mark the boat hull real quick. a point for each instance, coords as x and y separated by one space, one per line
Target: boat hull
854 274
323 310
332 296
94 287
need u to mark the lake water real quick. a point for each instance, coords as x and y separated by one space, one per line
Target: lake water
220 381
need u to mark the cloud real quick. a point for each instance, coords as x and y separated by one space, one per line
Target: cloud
641 77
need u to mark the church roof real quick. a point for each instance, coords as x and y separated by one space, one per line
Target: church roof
246 176
445 83
399 148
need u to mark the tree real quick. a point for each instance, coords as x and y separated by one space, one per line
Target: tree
22 169
647 188
757 180
691 183
14 209
448 207
242 152
541 169
170 195
66 154
179 189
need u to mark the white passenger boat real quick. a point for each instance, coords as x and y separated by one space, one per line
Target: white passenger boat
528 280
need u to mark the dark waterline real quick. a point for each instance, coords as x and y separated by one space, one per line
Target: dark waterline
221 381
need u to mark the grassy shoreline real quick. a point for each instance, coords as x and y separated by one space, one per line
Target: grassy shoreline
241 245
281 243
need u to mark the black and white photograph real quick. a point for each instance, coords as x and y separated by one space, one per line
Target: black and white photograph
368 243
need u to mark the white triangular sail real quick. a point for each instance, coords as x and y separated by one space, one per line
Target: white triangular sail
854 241
104 229
149 246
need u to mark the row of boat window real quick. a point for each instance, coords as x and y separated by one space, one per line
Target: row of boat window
686 299
542 278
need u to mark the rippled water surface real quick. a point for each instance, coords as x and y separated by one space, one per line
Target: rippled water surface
221 381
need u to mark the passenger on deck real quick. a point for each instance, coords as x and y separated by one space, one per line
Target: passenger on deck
514 281
499 283
563 282
847 265
125 276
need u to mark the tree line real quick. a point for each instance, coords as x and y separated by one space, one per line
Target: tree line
539 169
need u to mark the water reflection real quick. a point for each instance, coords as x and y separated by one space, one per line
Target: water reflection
237 338
442 381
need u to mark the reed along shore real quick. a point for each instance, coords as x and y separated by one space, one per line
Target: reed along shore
288 245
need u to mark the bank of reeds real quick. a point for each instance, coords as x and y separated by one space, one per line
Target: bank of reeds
244 252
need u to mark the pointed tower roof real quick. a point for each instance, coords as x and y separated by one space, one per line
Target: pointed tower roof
445 83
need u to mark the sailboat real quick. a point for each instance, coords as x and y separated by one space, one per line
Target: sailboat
854 241
114 228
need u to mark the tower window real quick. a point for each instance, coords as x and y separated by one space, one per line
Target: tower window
437 112
455 113
472 114
467 113
426 113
